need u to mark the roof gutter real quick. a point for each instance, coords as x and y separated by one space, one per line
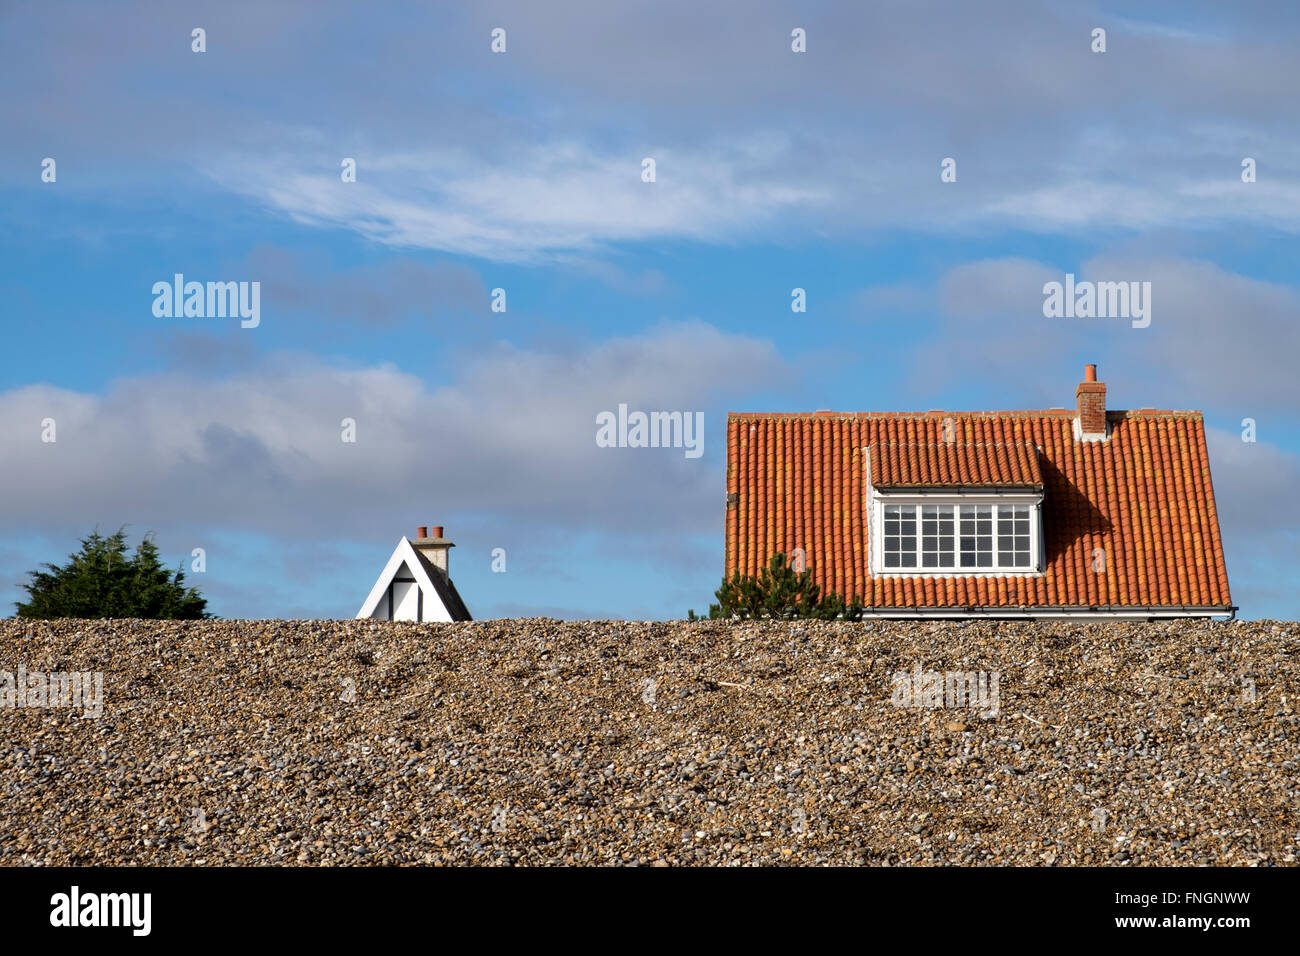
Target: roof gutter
1033 613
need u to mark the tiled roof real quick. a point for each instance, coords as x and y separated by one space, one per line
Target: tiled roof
1144 496
967 464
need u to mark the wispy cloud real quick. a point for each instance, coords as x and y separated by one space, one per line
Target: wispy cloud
537 200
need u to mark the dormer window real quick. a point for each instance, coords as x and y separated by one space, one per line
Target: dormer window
954 509
972 538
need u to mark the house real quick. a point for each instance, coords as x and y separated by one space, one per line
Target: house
1079 512
415 585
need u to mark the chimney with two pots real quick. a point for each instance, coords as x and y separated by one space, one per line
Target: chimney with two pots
433 546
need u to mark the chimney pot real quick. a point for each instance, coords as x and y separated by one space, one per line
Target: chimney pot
437 531
422 532
1090 373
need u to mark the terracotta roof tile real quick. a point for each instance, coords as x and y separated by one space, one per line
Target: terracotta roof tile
1130 521
953 463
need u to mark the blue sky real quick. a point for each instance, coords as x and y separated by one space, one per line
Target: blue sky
522 171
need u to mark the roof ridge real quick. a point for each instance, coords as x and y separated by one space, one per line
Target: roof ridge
1012 413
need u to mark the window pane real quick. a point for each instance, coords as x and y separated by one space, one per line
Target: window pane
936 547
900 536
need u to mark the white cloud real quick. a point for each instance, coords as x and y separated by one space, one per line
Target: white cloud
1254 485
469 153
1217 340
552 200
1254 491
1147 202
511 439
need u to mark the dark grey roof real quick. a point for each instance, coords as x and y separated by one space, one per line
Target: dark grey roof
446 590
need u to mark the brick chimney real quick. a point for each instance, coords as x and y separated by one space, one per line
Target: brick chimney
1091 396
435 547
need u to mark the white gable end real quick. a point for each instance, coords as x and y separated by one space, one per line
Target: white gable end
404 591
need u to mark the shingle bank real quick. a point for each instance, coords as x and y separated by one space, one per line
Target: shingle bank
542 742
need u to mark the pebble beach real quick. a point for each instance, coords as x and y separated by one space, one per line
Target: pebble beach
543 742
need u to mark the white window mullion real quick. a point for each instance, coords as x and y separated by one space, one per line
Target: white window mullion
1011 528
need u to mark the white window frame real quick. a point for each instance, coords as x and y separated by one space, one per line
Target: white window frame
877 501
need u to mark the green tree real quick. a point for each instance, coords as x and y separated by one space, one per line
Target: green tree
102 580
778 592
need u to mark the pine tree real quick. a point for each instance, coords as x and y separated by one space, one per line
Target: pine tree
778 592
101 581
